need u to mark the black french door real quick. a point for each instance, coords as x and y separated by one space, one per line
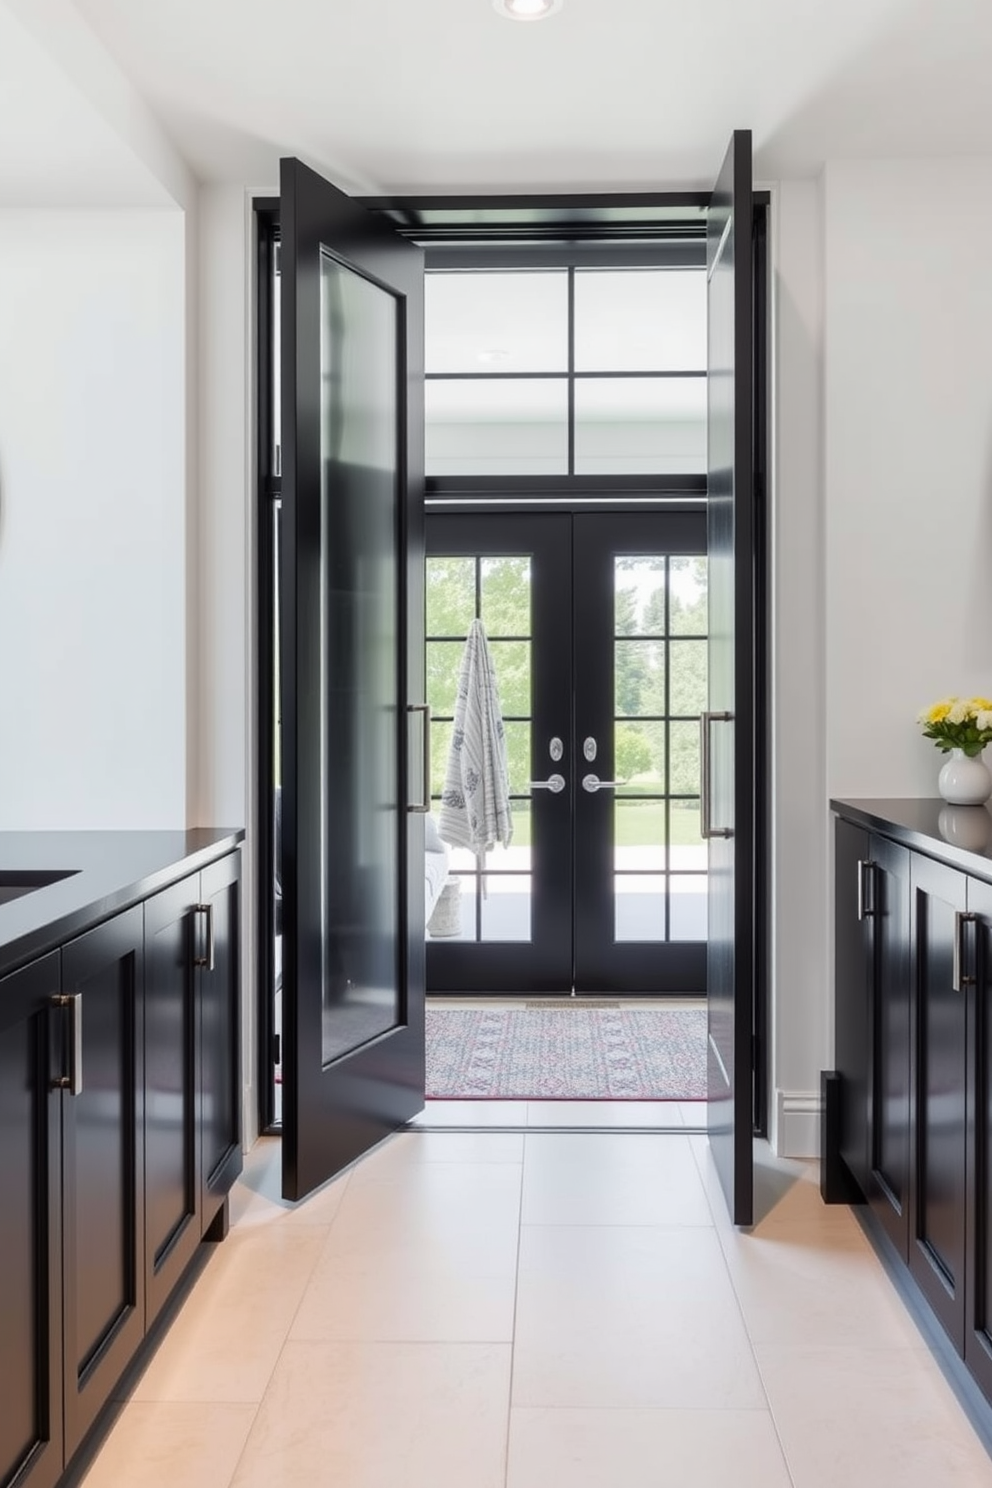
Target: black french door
351 652
597 630
729 725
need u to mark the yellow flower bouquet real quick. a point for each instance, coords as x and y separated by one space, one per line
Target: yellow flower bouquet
959 723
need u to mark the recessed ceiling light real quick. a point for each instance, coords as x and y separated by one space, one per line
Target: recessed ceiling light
526 10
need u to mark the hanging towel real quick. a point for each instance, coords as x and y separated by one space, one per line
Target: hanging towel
475 803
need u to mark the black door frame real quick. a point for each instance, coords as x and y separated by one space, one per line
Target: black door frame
601 222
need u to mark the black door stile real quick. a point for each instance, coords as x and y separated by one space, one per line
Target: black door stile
730 726
352 666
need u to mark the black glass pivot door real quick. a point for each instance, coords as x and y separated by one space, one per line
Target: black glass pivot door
351 660
729 724
597 631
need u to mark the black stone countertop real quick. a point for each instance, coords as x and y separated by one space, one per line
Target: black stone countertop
959 835
111 871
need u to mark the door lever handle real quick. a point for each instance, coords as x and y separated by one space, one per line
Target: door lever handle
554 783
592 784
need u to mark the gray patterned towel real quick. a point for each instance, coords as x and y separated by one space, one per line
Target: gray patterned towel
475 803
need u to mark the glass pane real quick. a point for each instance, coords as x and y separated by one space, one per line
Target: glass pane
640 320
639 678
638 836
639 606
688 908
506 907
683 759
640 426
688 608
450 596
500 321
506 596
444 659
516 857
518 757
688 851
484 427
440 745
687 661
463 912
511 663
639 758
359 704
639 906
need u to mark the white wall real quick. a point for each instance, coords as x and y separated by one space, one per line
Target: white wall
221 581
92 519
801 1001
908 317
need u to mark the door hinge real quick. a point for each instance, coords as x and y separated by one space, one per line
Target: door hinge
276 1049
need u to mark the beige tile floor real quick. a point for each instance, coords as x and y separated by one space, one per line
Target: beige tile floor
496 1309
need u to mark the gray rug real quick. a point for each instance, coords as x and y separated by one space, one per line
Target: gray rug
566 1053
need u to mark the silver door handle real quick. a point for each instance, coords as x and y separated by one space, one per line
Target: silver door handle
208 959
959 980
73 1081
423 806
706 829
592 784
554 783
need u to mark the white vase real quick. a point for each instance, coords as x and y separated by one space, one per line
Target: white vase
964 781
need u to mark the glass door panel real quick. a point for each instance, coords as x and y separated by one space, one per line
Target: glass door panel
641 871
513 931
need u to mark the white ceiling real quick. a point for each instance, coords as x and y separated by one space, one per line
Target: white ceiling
419 95
56 148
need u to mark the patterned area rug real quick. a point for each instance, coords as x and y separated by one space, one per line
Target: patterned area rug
569 1053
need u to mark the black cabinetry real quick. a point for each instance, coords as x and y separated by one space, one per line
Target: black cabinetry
119 1139
913 999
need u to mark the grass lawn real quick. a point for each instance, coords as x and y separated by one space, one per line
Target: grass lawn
640 825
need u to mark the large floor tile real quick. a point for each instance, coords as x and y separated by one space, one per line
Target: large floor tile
870 1418
613 1317
225 1341
380 1416
644 1449
604 1113
162 1443
410 1147
816 1285
256 1198
473 1113
433 1210
625 1179
401 1290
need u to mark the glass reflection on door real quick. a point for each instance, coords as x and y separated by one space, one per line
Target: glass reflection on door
659 658
359 706
495 903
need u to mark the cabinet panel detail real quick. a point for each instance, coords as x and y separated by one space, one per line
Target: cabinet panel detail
940 1068
890 1038
30 1258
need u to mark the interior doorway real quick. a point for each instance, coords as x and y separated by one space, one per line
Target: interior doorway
596 623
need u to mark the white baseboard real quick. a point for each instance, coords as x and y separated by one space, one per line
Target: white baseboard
798 1123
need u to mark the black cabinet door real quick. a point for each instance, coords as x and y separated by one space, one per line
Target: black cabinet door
938 1184
978 1319
172 1157
218 959
891 1019
852 984
30 1229
102 1158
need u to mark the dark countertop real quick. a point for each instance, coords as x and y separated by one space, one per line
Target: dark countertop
111 871
960 835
